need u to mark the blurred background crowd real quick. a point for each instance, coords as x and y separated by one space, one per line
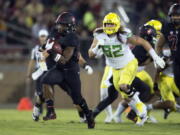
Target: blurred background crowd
20 20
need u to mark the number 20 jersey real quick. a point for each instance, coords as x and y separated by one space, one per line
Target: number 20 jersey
117 54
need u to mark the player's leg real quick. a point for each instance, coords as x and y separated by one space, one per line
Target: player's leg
39 100
52 77
75 93
122 80
49 98
66 88
145 96
145 77
112 95
120 109
167 95
105 83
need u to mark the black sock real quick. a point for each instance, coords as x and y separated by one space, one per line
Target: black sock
81 114
50 105
112 95
84 107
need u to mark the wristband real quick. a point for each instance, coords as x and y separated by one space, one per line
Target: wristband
57 57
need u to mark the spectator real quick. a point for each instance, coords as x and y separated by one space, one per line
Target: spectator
34 8
40 24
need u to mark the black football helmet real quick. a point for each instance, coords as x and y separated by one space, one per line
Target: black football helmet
65 22
147 32
174 10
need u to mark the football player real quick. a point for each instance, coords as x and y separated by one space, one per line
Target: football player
40 67
168 89
170 34
67 68
113 39
149 32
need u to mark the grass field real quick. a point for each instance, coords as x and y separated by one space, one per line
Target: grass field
13 122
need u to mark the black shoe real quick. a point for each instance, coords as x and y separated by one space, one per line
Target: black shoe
50 116
166 113
90 120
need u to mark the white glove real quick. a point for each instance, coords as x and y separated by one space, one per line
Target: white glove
35 75
97 50
49 45
158 61
89 69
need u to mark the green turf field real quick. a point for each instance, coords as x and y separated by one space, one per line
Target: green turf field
13 122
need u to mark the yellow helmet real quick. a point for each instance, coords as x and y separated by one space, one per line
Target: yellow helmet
111 18
156 24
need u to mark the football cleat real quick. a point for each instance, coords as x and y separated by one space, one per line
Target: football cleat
152 119
83 120
50 116
90 120
166 113
108 119
117 119
36 113
141 121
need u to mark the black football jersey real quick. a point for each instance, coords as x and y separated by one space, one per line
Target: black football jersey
67 40
172 36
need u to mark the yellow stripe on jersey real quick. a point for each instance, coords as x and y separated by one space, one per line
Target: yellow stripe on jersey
145 77
125 75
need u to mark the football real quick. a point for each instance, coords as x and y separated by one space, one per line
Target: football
57 47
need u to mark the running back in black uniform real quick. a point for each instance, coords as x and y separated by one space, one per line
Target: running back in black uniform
171 32
67 67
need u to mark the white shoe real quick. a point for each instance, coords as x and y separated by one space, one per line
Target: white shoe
108 119
117 119
152 119
36 113
82 120
141 121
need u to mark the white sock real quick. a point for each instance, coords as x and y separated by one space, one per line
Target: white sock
104 94
108 111
120 109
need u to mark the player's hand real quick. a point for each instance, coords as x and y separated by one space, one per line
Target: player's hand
159 62
49 44
88 69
